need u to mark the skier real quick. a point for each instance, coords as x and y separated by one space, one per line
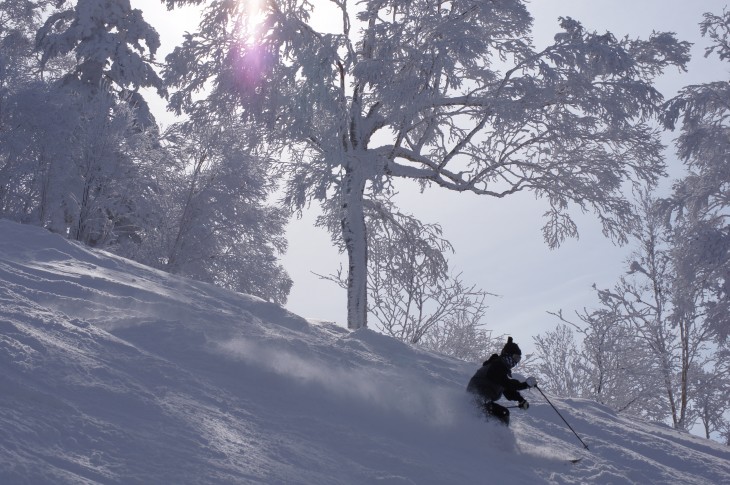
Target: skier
494 378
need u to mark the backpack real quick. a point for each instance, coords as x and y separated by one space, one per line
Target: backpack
481 385
491 359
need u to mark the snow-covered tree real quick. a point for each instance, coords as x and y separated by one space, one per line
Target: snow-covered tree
701 199
609 363
712 391
464 335
80 152
218 226
26 111
650 326
412 295
113 45
19 21
560 365
78 166
645 301
97 156
446 93
111 190
21 88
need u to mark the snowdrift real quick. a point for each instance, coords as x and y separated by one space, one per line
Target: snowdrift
111 372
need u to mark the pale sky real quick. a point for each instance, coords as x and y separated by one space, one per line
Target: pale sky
498 243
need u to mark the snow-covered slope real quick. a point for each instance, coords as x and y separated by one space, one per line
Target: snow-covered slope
111 372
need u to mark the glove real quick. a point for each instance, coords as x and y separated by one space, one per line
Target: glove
524 405
531 382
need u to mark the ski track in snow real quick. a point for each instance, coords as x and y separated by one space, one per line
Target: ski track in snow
111 372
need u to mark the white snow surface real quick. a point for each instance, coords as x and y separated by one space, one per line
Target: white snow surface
111 372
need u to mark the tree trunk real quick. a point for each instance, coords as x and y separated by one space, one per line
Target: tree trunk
185 221
667 375
355 236
686 362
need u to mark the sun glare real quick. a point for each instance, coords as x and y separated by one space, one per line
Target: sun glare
254 14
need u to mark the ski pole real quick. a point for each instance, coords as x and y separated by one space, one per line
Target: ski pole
561 417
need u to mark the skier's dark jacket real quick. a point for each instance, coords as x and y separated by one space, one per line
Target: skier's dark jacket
493 379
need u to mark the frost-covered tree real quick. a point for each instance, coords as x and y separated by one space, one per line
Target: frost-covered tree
654 329
416 309
445 93
97 158
27 112
712 390
21 88
608 363
463 335
701 199
19 21
644 299
113 45
218 225
80 153
559 363
110 191
78 166
412 295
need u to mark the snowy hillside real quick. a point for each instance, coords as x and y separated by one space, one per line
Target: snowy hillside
114 373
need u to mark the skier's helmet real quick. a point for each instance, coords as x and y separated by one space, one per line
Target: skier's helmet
511 351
